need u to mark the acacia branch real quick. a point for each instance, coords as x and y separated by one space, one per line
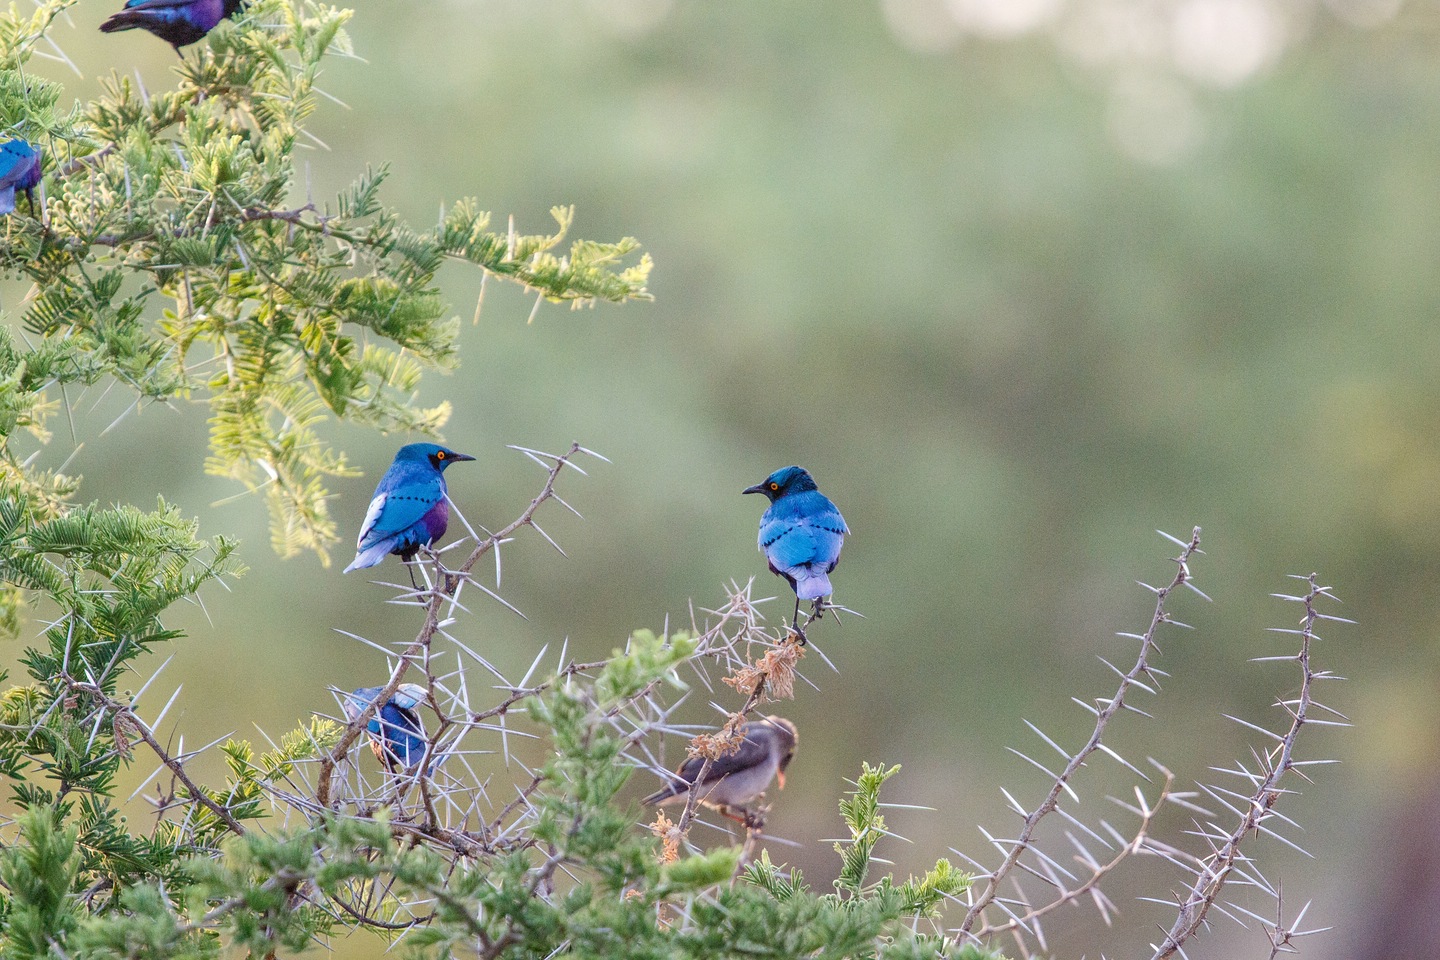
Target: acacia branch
519 694
1215 869
1102 720
1098 871
123 710
295 217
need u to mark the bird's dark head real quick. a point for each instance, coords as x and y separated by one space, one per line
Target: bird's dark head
437 456
787 740
783 481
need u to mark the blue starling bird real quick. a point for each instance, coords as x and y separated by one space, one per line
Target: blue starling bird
177 22
801 534
19 170
409 510
397 736
737 779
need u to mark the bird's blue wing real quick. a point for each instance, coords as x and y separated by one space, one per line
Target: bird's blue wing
17 158
398 508
808 530
787 541
408 696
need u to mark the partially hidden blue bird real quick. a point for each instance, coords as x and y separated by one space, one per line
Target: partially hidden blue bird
738 779
409 510
177 22
801 534
397 737
19 171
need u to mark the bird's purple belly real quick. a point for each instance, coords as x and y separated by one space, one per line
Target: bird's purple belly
437 520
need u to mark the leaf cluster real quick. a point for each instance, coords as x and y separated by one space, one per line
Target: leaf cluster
586 881
175 254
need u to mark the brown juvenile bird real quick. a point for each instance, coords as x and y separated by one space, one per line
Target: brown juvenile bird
737 779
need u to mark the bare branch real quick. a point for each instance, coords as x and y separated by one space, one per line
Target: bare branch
1103 715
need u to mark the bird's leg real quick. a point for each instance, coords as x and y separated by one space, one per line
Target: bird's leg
795 627
740 815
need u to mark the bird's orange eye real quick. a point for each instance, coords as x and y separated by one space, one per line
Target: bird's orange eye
774 486
440 455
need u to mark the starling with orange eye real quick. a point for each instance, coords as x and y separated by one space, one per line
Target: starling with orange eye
409 509
801 534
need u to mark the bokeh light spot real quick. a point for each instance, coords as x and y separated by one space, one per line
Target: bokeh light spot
1225 42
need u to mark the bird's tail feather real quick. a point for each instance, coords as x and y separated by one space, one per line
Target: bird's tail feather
677 789
368 557
124 20
812 585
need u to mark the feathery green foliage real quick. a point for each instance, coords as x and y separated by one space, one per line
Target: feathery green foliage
612 899
39 874
873 911
176 256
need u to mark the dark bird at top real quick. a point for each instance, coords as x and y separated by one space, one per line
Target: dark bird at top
736 780
177 22
19 171
801 533
409 509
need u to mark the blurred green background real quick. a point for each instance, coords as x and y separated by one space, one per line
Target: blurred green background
1019 282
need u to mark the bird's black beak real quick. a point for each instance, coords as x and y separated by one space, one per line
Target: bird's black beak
460 456
758 488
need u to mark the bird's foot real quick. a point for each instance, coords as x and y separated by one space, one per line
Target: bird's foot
799 634
754 817
750 819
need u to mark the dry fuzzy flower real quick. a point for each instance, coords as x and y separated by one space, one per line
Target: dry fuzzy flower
777 668
713 746
120 726
668 835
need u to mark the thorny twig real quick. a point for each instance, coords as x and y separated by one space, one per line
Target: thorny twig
1215 869
123 710
1103 715
1098 871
